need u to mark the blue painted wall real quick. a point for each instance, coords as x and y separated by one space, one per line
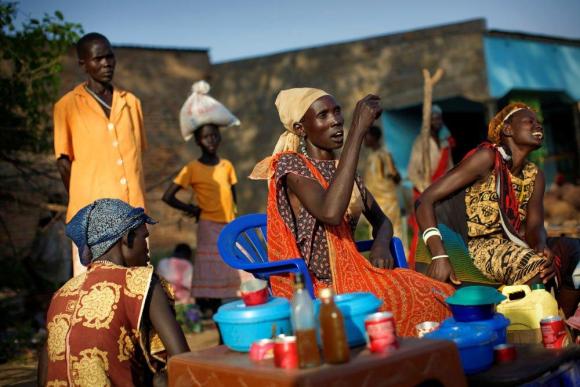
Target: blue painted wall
527 65
400 130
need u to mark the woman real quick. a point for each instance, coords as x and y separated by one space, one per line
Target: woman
501 194
314 202
113 324
213 181
382 178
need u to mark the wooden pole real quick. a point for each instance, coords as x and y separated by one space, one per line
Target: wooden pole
429 82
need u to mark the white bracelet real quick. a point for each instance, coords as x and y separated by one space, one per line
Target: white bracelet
429 229
439 257
432 231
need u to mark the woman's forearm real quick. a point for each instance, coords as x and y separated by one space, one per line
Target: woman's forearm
170 198
425 213
177 204
536 237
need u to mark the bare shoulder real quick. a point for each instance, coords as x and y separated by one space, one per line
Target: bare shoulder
481 160
539 174
484 155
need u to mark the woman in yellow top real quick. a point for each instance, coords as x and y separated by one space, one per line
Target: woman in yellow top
382 178
213 181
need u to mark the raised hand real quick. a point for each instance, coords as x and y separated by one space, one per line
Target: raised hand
367 110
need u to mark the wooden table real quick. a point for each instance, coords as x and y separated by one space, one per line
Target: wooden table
416 361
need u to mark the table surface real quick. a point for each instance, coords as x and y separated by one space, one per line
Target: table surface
532 361
415 361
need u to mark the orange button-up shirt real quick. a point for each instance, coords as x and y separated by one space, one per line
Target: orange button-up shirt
105 153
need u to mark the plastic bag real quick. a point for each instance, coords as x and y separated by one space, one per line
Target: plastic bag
200 109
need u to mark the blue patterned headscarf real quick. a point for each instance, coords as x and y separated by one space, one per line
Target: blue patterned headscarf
98 226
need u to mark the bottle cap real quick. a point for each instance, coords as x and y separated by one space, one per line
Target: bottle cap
298 281
538 287
326 293
298 278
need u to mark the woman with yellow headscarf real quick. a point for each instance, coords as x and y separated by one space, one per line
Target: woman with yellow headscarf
498 210
314 203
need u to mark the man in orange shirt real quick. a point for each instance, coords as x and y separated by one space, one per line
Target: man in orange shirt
99 135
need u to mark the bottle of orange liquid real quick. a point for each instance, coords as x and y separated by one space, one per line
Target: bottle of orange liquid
334 342
304 326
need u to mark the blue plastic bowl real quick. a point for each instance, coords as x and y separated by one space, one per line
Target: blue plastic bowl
355 307
498 323
475 345
241 325
467 313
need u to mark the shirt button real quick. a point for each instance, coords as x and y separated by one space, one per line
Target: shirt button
123 181
120 162
110 126
115 144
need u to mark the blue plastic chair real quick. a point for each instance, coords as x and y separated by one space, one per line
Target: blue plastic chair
242 245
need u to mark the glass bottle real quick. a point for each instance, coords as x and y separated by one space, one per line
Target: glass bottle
334 343
304 325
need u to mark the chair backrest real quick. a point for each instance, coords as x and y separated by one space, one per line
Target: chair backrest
243 241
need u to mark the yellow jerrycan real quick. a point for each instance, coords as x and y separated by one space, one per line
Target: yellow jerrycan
525 307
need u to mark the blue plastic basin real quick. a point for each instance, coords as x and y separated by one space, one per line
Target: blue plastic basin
355 307
241 325
498 323
475 345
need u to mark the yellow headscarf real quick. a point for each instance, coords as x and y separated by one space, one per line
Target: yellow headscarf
496 124
292 104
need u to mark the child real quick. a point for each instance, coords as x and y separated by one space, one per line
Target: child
178 271
213 181
382 178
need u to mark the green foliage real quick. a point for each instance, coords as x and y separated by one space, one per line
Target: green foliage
30 66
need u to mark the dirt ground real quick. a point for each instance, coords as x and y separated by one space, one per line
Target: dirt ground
22 372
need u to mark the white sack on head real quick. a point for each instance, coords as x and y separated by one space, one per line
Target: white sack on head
200 109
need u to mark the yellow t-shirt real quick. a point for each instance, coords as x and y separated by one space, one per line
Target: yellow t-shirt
212 185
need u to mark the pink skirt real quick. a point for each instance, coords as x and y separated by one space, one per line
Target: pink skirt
212 277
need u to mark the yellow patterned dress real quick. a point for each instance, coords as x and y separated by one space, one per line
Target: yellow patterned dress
379 172
497 257
97 334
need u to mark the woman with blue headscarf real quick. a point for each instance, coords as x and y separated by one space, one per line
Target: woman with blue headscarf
113 324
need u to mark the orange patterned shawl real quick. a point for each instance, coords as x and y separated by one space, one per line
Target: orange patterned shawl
410 296
96 336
